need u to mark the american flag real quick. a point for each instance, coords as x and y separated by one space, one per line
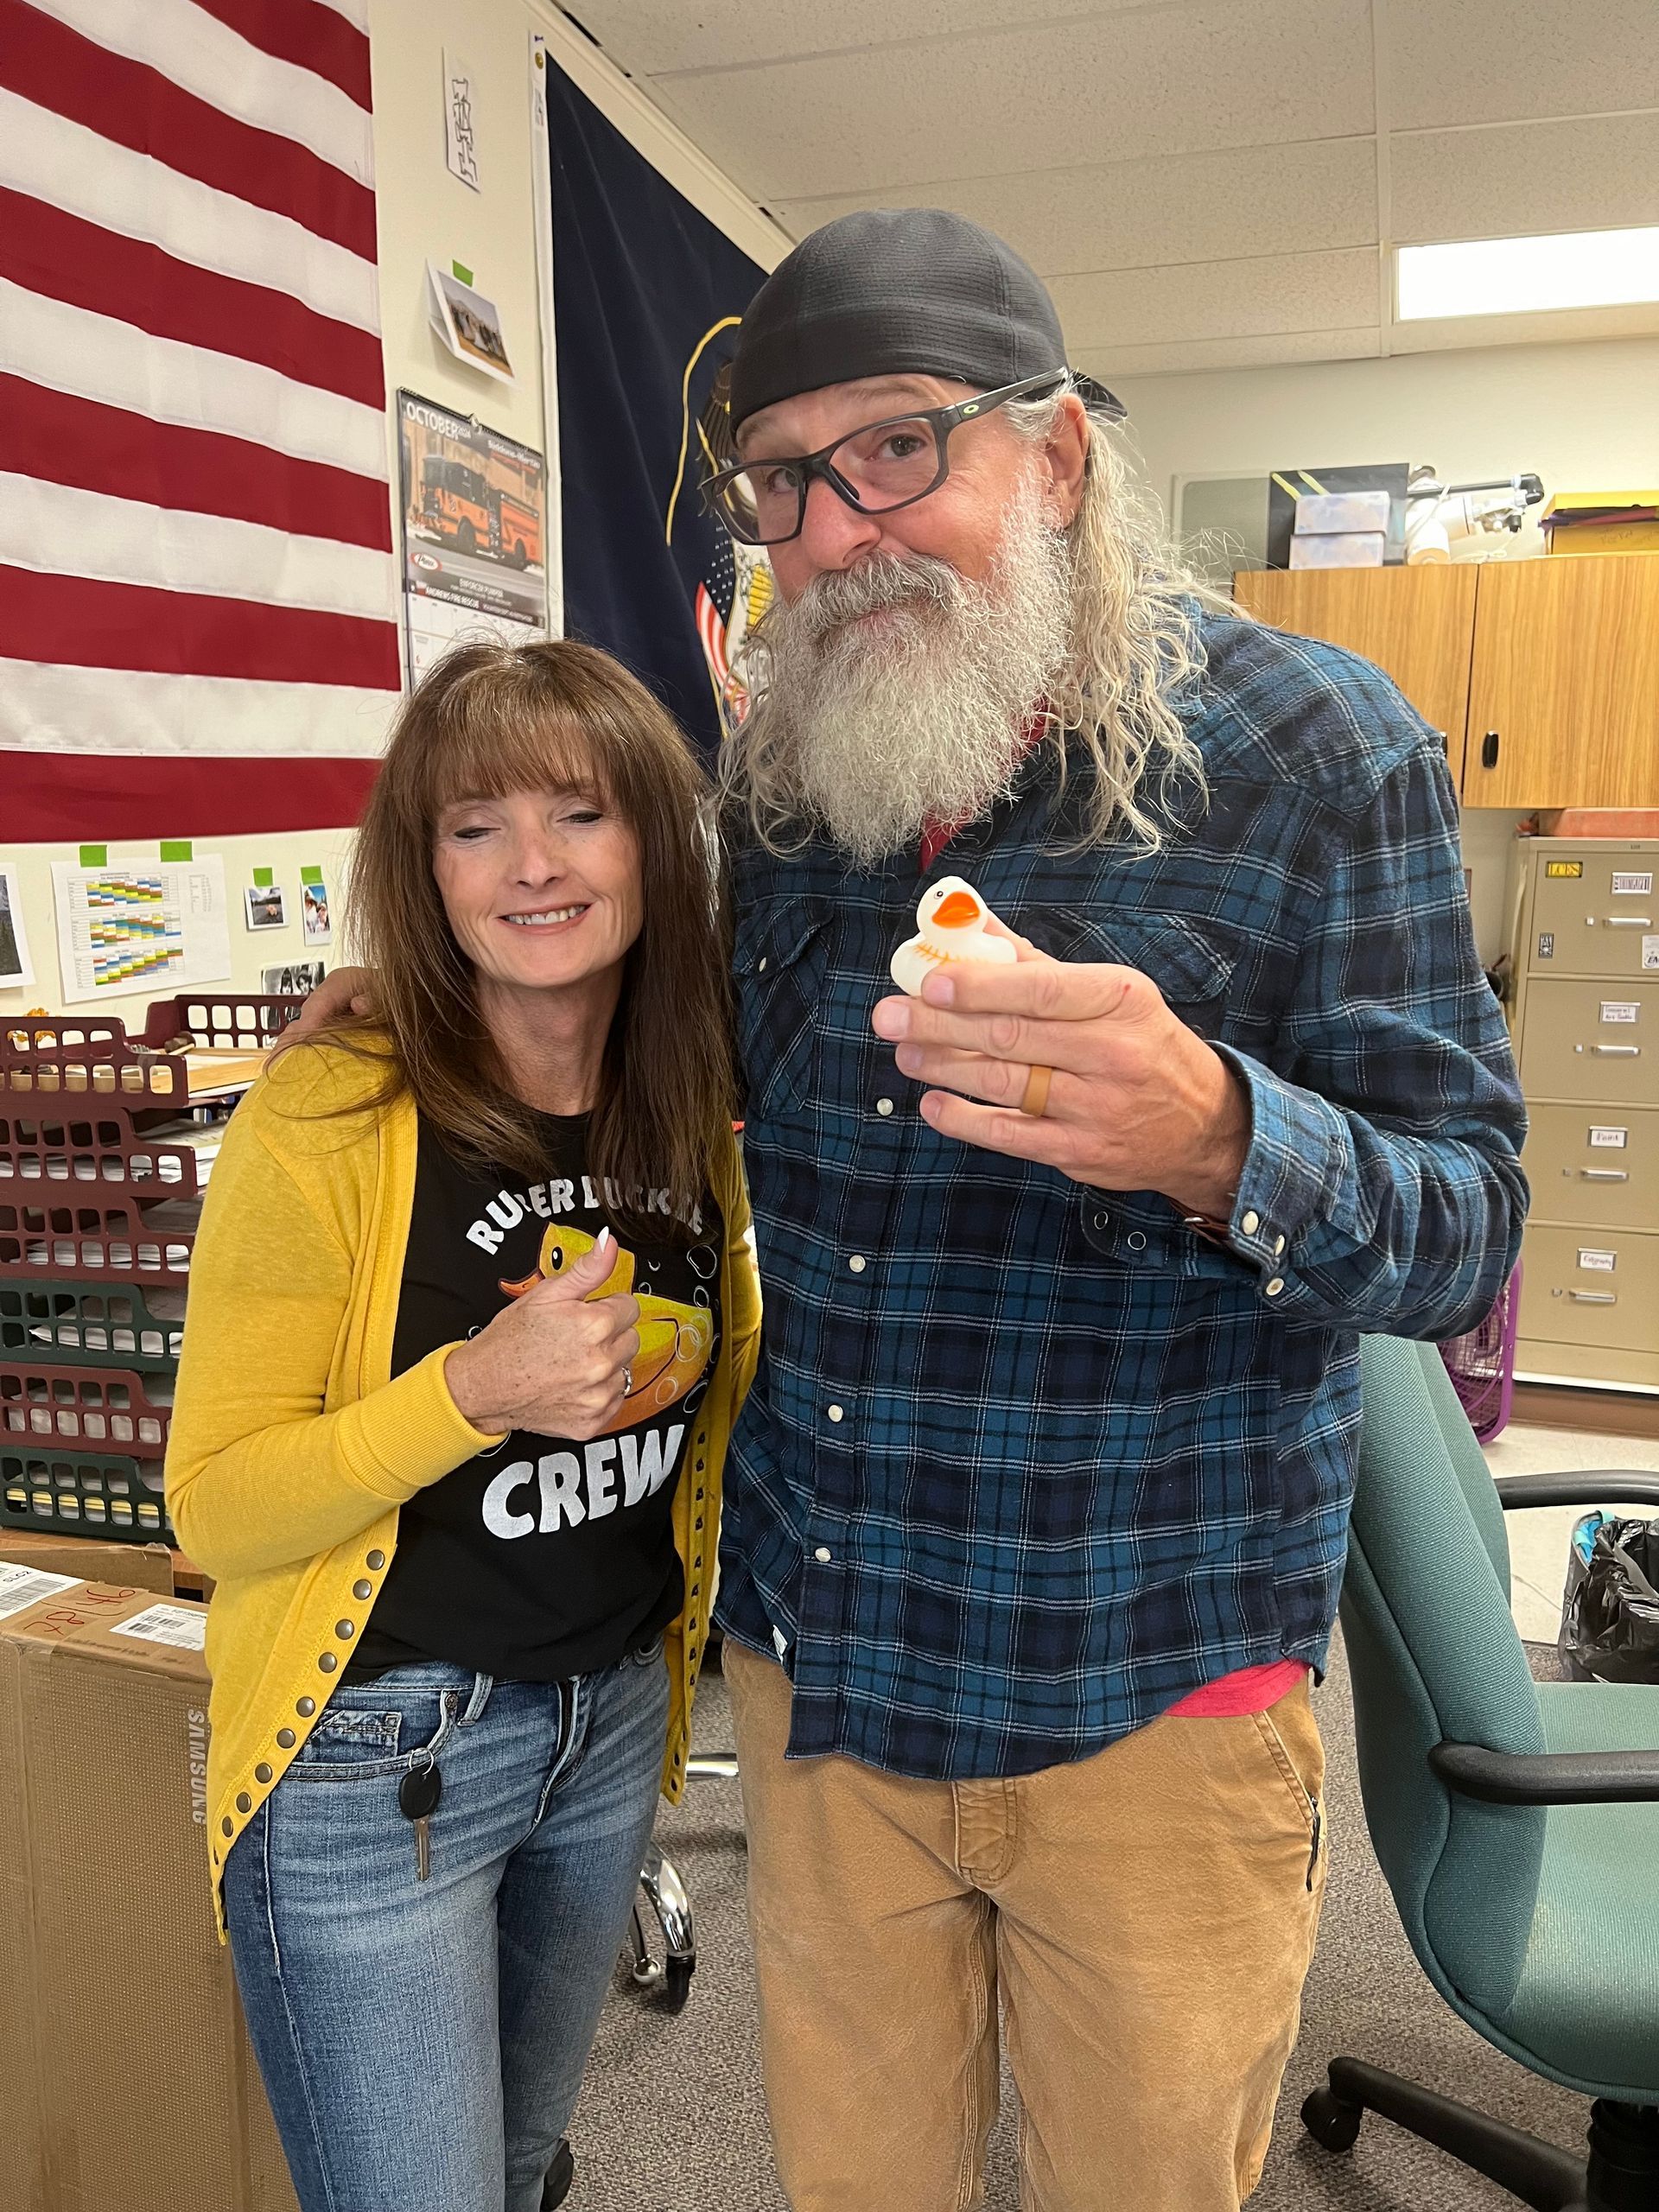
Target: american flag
198 627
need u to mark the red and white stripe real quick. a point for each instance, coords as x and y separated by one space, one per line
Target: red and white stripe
196 580
712 631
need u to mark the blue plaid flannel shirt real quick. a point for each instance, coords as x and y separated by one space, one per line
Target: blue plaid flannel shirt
1025 1462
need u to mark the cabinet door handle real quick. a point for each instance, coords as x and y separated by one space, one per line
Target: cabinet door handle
1594 1296
1617 1052
1605 1174
1489 749
1627 921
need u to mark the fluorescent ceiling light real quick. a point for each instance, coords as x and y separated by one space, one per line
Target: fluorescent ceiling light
1578 268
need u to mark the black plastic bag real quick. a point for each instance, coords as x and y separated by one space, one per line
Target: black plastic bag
1610 1614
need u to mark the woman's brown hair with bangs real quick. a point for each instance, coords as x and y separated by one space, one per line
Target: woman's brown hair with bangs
493 719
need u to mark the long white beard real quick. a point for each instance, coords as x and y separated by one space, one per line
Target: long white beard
875 726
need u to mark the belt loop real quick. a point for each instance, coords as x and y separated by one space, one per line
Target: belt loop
482 1685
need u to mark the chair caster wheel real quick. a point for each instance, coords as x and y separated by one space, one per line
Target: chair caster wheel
1330 2121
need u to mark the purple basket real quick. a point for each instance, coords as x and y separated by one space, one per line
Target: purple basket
1482 1364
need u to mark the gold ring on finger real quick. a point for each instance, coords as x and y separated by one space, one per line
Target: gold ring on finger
1035 1102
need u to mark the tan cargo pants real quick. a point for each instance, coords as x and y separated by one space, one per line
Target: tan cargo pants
1146 1918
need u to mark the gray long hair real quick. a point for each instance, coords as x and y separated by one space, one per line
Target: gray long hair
1136 654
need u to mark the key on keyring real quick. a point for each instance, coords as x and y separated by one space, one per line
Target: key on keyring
417 1800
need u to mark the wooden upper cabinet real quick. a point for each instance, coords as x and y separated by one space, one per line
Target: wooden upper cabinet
1566 679
1416 623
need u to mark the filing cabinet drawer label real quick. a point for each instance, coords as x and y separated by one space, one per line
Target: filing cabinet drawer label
1600 1263
1651 950
1608 1140
1619 1009
1632 886
1563 868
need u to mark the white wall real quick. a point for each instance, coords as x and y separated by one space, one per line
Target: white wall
425 213
1585 418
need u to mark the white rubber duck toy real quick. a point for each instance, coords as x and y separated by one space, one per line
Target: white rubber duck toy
950 923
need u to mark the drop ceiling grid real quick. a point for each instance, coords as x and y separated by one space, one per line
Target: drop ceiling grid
1219 179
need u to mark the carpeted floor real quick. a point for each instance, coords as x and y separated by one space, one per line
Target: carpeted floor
671 2114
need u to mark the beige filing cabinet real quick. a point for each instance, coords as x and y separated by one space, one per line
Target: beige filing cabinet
1585 945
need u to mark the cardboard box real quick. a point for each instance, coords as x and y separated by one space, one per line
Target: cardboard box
1602 521
1347 549
1320 514
130 2085
140 1567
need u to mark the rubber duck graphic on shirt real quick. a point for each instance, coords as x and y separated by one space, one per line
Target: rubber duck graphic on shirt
676 1341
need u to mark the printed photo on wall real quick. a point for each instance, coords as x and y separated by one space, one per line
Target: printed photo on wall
314 913
15 966
469 325
266 908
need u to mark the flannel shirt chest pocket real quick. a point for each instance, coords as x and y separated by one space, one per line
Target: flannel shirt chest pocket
1192 964
778 962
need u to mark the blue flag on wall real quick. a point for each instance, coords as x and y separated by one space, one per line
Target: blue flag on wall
647 297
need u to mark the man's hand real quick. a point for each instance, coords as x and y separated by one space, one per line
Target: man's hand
346 991
552 1361
1139 1102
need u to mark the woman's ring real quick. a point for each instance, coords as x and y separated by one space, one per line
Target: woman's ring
627 1380
1035 1102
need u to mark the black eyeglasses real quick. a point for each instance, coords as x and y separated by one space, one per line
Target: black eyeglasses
884 465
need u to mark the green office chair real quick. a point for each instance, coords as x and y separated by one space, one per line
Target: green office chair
1517 1822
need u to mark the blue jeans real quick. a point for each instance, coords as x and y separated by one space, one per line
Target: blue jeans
422 2043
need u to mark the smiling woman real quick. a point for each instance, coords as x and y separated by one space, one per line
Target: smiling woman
475 1309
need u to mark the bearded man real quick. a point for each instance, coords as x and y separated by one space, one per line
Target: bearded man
1037 1510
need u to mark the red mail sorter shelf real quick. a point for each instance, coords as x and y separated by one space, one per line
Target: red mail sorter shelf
103 1240
66 1056
220 1021
49 1149
99 1409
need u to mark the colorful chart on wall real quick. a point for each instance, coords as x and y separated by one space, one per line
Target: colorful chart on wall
140 926
474 515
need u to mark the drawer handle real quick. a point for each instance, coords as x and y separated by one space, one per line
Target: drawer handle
1627 921
1594 1296
1605 1174
1617 1052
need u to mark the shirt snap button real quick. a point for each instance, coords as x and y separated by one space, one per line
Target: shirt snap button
883 1105
243 1802
838 1413
1100 1221
822 1554
857 1263
1250 1223
287 1738
1135 1241
761 967
375 1560
344 1629
328 1663
262 1773
1275 1286
306 1708
1278 1246
360 1590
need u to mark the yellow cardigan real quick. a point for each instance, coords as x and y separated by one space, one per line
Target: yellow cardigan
292 1448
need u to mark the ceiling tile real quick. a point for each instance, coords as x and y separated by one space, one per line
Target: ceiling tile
1219 299
1160 82
1515 179
1506 60
651 37
1119 361
1445 334
1254 200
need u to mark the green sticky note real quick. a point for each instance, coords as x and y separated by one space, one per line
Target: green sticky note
262 878
462 275
176 849
94 856
310 875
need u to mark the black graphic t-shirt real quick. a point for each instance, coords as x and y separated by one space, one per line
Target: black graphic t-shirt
545 1558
